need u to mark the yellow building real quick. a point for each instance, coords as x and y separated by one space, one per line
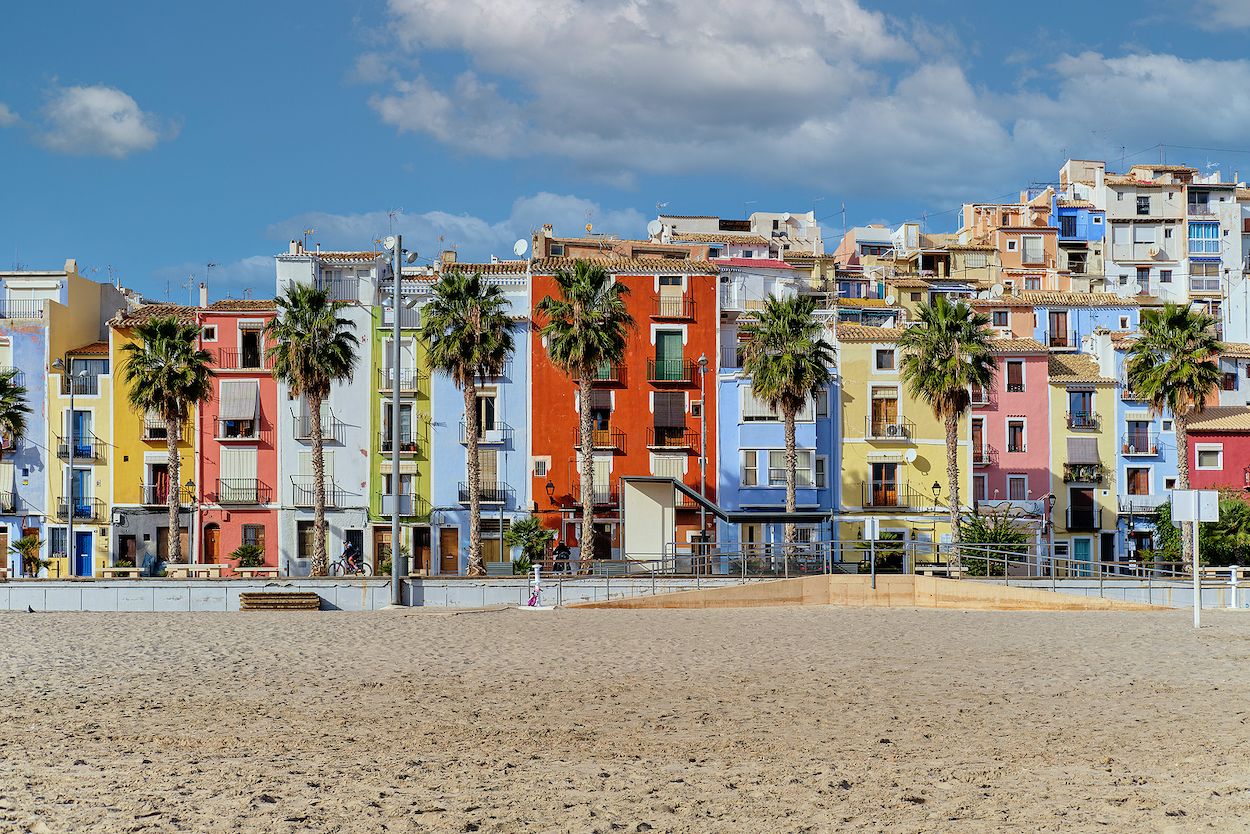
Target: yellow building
1083 455
893 446
140 468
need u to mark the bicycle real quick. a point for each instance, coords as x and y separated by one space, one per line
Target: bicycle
350 566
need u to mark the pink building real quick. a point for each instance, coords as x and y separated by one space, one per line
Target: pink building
1219 448
1011 427
237 436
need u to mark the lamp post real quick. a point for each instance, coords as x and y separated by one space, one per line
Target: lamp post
394 244
191 522
1050 537
702 447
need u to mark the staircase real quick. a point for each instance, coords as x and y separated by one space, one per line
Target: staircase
279 601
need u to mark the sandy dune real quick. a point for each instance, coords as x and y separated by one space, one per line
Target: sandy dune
789 720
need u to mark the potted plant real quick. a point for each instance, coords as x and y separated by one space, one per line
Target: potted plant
249 556
27 547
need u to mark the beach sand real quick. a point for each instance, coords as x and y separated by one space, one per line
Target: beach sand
787 720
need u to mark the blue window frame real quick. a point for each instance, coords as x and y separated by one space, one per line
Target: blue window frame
1204 238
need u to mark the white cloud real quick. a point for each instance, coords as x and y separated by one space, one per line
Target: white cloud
820 92
474 238
99 121
7 117
233 279
1218 14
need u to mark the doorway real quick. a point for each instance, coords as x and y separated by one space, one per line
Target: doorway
420 550
449 550
212 543
1106 549
1082 557
82 554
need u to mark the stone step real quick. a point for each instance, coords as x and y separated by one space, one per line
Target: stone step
279 601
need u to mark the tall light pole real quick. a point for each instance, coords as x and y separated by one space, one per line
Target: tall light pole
395 245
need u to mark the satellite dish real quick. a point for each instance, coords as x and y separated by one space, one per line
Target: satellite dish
1133 288
890 299
910 456
996 291
983 294
519 247
389 242
785 217
654 228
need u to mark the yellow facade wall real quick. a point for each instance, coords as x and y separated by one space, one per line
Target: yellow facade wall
1105 493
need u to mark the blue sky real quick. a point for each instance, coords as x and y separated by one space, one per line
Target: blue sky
156 137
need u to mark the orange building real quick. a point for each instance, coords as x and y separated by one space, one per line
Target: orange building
647 411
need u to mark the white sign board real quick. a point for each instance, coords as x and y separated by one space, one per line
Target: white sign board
1195 505
872 529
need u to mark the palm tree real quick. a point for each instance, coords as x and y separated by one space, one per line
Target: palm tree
788 359
1173 367
469 333
944 355
166 374
13 410
311 347
585 329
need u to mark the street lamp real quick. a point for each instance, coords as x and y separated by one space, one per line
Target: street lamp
937 489
1050 535
551 491
394 244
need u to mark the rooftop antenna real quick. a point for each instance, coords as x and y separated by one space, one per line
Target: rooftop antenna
391 214
746 208
307 234
659 206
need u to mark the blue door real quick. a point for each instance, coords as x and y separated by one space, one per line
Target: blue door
81 492
82 434
1082 557
82 554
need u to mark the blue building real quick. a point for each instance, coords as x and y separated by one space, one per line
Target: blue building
503 443
1063 319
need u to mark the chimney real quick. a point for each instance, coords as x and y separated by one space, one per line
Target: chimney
447 256
295 247
203 294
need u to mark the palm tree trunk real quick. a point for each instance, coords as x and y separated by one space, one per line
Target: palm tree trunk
320 560
474 466
587 442
173 435
952 477
1182 482
789 414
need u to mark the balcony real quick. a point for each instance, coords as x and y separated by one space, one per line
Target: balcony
1128 394
1139 444
899 430
985 456
85 509
84 386
1084 473
243 491
243 360
409 379
410 505
1142 504
19 376
672 307
331 428
237 429
157 495
671 372
1063 339
1083 420
1205 284
1015 387
302 494
890 495
608 438
1204 210
21 309
608 373
84 448
340 289
489 492
8 502
672 437
1028 507
409 444
497 435
601 495
1084 519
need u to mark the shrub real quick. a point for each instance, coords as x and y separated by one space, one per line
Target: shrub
249 556
27 547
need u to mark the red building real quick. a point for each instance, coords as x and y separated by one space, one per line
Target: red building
1219 448
647 409
237 465
1011 427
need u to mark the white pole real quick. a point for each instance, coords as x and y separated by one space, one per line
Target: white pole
1197 575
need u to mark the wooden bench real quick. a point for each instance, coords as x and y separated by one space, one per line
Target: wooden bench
120 572
182 570
259 571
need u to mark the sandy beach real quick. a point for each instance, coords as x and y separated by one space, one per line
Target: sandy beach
787 720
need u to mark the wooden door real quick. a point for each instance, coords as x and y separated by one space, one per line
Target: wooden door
212 543
420 550
449 550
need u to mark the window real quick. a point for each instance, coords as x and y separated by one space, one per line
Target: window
822 466
1067 225
750 471
1096 219
1167 425
915 296
1000 318
1015 374
1032 282
1165 276
1210 455
254 534
1081 410
803 474
1143 277
540 467
822 404
755 410
1015 435
975 260
1204 276
1167 234
669 418
980 487
1143 206
1018 487
1119 195
209 333
1138 478
557 250
1204 238
1169 484
303 539
1034 250
1011 246
748 253
885 359
249 347
980 394
1124 322
884 414
1228 381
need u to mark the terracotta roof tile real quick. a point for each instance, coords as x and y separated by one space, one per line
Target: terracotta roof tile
147 312
907 282
866 333
1044 298
500 268
629 266
1236 350
1122 339
92 349
1000 302
346 256
1075 367
720 237
1221 418
1014 345
1064 203
232 304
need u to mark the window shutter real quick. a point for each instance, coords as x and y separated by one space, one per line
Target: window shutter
670 409
601 398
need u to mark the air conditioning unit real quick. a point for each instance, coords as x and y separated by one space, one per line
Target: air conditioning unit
1004 332
696 408
891 430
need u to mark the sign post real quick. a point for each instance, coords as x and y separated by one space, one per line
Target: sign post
1197 506
872 532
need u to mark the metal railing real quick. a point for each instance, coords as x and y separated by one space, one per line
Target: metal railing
495 435
1083 519
331 427
8 502
671 371
1084 473
878 429
85 449
608 373
243 491
1083 420
237 429
18 308
986 455
1140 444
672 437
672 307
409 443
229 359
157 495
85 509
19 376
1063 339
1128 394
609 438
340 289
409 379
302 494
83 386
889 495
489 492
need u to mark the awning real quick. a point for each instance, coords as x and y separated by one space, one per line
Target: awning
238 400
1083 450
885 457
